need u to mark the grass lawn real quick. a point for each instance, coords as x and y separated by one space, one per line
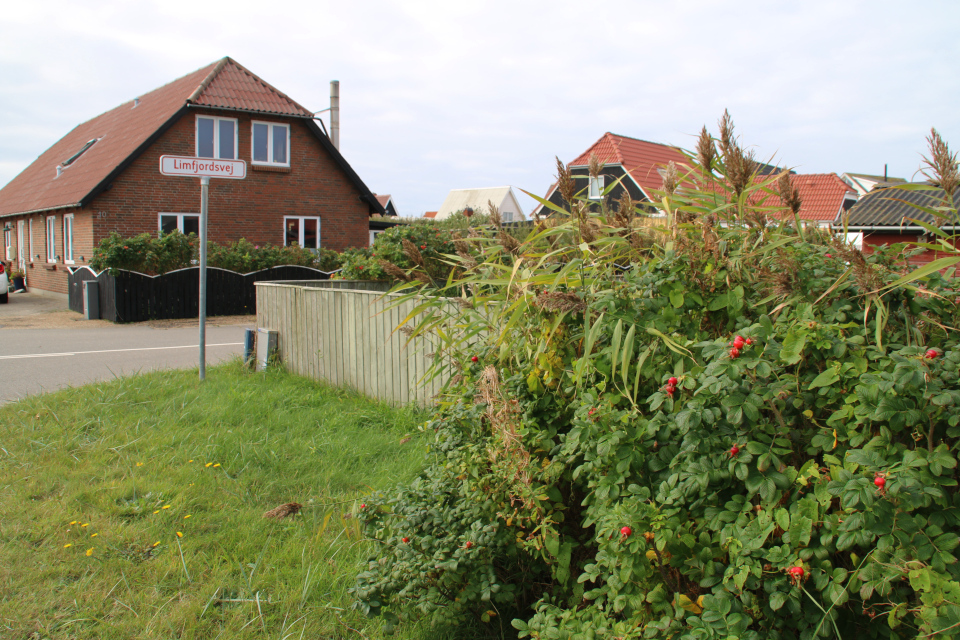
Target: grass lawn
133 509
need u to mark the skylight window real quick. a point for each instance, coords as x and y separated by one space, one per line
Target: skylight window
73 158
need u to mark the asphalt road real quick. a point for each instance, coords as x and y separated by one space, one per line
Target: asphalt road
34 360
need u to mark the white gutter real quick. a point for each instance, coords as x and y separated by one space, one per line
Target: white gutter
33 211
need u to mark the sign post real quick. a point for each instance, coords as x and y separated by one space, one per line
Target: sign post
203 168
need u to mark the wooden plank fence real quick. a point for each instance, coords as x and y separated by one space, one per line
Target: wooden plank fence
342 332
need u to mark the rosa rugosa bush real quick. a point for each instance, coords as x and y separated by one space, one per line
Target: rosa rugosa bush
749 485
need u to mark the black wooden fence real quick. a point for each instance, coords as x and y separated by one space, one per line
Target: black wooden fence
128 296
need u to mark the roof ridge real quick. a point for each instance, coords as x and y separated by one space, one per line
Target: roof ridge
662 144
207 80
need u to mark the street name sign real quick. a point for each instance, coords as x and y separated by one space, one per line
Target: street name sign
203 167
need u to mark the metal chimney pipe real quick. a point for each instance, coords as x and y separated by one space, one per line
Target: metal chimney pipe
335 113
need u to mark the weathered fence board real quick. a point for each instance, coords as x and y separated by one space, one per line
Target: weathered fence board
345 336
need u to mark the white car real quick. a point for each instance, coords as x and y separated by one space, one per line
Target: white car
4 284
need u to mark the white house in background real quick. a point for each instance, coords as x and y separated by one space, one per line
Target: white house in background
865 183
477 199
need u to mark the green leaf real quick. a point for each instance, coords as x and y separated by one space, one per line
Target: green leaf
676 298
826 378
793 346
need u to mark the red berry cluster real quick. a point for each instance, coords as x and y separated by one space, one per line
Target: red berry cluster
738 344
671 387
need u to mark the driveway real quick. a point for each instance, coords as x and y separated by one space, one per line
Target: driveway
45 346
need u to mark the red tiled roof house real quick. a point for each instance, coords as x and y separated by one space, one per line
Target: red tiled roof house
634 163
104 176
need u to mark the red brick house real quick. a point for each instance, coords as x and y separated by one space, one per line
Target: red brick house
104 176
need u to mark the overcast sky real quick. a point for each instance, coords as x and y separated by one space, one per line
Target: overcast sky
437 95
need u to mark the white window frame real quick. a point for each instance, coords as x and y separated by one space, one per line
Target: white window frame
180 217
21 250
302 229
52 239
595 187
8 243
270 126
68 239
373 235
30 231
216 136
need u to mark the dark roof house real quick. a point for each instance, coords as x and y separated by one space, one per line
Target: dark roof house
103 176
888 215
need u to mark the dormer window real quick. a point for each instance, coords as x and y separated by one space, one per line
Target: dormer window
271 144
216 137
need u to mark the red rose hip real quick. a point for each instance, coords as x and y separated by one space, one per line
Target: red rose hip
931 354
672 382
625 531
404 540
734 450
468 545
734 353
738 342
796 572
474 359
880 481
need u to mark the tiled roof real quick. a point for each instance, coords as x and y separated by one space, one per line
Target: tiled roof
639 158
121 132
383 199
430 214
891 207
231 86
821 195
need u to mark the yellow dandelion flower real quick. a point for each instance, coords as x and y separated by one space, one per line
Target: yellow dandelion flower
69 544
166 506
74 521
94 535
185 517
139 464
85 524
157 511
216 465
90 551
179 534
208 464
157 543
190 460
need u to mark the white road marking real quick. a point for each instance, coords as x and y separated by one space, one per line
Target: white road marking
81 353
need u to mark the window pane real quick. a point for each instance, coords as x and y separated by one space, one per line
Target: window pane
191 224
204 137
168 224
310 233
293 233
280 144
68 238
260 132
226 139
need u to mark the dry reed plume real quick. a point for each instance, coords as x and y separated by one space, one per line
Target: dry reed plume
284 510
